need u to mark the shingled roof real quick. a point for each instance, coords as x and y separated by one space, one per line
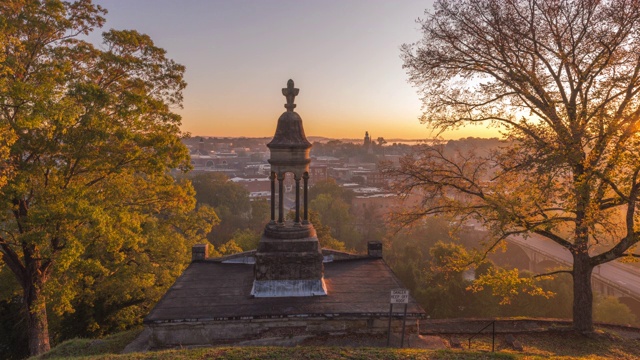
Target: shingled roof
212 290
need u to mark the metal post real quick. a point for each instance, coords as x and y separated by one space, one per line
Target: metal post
297 179
281 199
272 177
493 336
404 322
389 329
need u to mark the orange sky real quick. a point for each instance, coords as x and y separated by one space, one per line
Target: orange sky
343 55
261 121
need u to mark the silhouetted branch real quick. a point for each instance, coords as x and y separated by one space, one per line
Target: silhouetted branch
554 273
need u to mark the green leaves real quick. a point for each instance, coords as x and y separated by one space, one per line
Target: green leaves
88 203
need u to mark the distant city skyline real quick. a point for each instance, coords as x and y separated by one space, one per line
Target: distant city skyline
344 56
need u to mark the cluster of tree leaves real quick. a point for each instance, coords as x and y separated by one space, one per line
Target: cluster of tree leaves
610 310
94 228
230 200
332 204
241 220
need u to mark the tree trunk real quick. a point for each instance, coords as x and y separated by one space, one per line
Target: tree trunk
582 293
37 325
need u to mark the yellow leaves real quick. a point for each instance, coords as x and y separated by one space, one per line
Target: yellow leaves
246 239
448 258
507 284
629 258
230 247
7 138
93 326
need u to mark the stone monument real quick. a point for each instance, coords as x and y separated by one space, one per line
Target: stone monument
289 261
288 285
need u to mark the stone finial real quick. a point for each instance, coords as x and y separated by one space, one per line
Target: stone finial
290 93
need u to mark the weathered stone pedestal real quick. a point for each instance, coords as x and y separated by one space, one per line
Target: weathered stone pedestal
288 262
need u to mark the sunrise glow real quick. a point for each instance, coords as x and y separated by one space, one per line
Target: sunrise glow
344 57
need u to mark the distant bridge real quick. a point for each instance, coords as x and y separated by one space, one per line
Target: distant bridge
611 279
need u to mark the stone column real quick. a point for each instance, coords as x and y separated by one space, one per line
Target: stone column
281 199
272 177
305 177
297 179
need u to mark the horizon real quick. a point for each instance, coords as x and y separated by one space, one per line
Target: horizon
343 56
192 136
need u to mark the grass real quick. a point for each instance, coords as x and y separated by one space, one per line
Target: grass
299 353
112 344
565 345
547 345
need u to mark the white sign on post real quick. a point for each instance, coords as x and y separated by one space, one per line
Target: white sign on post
399 296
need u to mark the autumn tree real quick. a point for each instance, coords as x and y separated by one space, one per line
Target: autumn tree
112 286
232 204
7 137
335 214
93 138
560 79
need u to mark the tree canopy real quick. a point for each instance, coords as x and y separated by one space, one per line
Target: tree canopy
92 140
232 204
560 79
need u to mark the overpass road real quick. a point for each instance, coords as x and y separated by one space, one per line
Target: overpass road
620 276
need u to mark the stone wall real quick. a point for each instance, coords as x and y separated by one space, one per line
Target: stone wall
204 333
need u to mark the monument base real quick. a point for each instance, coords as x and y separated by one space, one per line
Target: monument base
287 265
288 288
289 230
288 259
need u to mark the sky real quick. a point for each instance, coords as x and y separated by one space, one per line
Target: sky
344 56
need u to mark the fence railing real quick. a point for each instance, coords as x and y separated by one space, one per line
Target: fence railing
493 335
